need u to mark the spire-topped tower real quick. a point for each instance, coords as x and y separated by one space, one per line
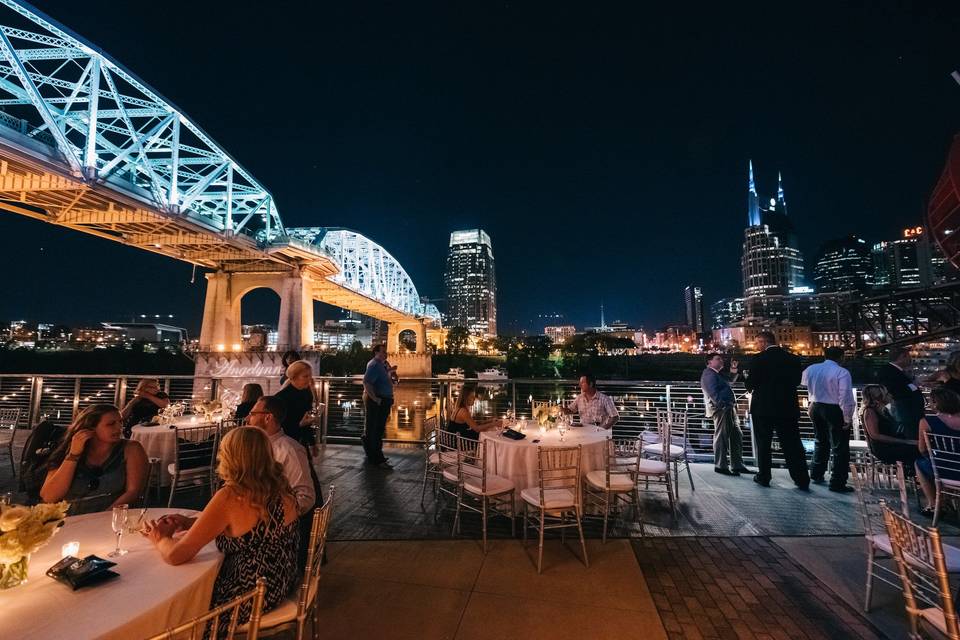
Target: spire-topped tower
603 323
781 201
753 201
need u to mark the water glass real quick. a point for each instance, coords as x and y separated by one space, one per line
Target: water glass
119 523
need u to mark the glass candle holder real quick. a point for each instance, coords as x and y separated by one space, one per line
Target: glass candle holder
70 549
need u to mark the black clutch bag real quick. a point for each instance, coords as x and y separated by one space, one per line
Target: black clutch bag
77 573
513 435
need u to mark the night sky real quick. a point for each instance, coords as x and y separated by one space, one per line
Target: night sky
603 149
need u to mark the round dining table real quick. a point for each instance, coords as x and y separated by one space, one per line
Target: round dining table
160 441
516 460
149 597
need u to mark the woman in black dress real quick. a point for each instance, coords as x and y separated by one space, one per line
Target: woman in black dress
881 429
248 397
298 399
462 423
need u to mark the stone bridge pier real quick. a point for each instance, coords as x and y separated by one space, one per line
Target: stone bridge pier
410 364
221 312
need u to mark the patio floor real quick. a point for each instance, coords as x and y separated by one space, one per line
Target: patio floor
740 561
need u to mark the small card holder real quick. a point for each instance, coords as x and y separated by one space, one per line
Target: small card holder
78 573
513 435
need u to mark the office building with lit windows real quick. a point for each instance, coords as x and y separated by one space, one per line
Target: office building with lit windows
471 284
693 305
843 264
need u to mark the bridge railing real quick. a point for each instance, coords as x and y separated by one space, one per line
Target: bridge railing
60 397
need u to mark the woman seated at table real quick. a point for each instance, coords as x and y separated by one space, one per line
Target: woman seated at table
147 401
248 397
297 397
253 519
946 422
94 467
462 423
881 429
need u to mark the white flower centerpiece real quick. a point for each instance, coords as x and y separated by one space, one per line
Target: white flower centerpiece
24 530
545 414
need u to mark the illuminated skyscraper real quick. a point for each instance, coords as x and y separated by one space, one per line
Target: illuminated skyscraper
693 303
771 262
843 264
471 283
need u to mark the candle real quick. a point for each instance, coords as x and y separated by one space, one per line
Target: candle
70 549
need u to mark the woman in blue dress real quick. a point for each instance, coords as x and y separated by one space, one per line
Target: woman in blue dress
946 422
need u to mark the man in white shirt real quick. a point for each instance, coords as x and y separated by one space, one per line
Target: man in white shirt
831 411
595 408
267 414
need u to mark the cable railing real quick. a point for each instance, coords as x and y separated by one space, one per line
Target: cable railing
60 397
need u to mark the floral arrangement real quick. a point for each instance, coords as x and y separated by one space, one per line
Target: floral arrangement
208 408
23 530
546 413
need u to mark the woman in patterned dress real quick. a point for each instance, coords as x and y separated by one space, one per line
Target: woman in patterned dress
253 518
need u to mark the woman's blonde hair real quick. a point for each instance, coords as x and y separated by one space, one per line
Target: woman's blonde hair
874 396
298 367
146 381
246 465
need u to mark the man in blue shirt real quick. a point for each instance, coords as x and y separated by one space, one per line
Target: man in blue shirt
378 397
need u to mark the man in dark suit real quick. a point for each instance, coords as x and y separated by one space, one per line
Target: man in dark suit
773 380
907 407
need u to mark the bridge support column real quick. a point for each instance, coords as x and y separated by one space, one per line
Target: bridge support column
295 325
220 330
409 365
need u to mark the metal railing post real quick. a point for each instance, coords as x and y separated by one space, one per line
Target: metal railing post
36 389
120 392
76 398
325 398
669 407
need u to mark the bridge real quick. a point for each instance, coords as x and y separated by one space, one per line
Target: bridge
86 144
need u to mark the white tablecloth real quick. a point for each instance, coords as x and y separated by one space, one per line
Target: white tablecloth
148 597
161 442
517 459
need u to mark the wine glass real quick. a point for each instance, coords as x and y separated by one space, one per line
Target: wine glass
562 427
119 524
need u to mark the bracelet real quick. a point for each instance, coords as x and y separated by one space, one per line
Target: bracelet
72 457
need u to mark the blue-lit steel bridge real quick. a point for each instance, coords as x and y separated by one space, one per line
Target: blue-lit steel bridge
86 144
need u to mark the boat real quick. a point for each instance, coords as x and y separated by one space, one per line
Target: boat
455 373
493 373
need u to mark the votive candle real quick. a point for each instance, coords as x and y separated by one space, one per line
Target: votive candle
70 549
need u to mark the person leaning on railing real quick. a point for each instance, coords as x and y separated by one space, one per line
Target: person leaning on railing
95 467
147 401
881 428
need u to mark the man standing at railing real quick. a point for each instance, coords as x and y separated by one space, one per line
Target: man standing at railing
378 397
831 411
721 405
773 380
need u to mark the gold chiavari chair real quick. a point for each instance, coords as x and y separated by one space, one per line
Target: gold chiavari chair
9 417
223 622
921 560
555 498
297 610
194 461
944 452
446 443
431 457
657 470
677 451
479 491
617 482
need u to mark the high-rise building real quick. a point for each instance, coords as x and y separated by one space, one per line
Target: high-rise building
471 283
843 264
560 334
911 261
693 304
771 262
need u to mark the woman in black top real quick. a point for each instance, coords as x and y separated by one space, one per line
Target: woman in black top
251 393
881 429
146 403
289 357
462 423
298 400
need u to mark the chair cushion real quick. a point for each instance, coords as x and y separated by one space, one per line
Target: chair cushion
618 481
449 458
628 461
554 498
495 485
451 475
652 467
952 484
676 451
934 616
284 612
172 470
880 541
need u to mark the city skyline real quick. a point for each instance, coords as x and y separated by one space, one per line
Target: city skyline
586 198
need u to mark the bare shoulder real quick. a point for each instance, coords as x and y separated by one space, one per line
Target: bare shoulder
134 449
